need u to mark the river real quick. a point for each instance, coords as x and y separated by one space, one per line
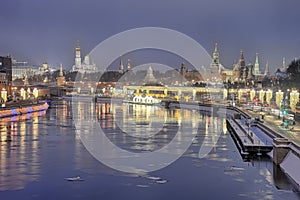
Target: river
39 152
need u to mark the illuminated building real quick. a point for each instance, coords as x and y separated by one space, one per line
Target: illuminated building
6 68
256 66
267 71
60 78
85 67
215 65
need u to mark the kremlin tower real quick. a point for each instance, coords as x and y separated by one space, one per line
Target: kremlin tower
283 67
215 65
267 72
256 66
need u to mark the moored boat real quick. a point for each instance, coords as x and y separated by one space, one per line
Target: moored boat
147 100
20 109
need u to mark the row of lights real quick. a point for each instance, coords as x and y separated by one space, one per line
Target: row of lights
294 96
23 93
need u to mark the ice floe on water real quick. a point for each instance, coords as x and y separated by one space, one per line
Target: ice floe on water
76 178
233 170
156 179
143 186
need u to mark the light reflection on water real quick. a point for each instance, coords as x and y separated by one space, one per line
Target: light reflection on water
17 139
39 152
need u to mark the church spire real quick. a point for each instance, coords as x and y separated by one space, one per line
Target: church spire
242 59
267 73
256 65
216 58
216 48
128 65
121 68
283 67
61 74
215 64
60 78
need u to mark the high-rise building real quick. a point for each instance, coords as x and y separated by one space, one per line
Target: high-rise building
6 67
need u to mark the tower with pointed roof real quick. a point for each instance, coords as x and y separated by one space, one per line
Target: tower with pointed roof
215 64
26 78
121 67
256 66
149 78
242 59
283 67
60 78
267 72
77 65
249 71
128 65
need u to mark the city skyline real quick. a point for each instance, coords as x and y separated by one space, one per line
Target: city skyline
48 32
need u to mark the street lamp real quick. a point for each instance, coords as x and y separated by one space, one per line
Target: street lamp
240 92
252 95
4 96
279 97
261 96
294 99
23 93
35 93
269 95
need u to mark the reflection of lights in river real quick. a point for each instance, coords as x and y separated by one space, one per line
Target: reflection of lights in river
20 161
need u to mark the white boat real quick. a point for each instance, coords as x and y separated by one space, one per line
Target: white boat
147 100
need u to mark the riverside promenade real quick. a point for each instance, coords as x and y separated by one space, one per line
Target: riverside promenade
272 122
289 156
282 142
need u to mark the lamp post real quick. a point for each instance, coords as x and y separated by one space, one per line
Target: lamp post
279 98
23 93
269 95
4 96
294 99
35 93
28 93
252 95
261 96
240 92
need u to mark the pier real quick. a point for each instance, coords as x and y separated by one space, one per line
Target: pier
247 141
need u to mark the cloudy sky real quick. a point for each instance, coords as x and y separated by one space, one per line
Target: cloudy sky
47 30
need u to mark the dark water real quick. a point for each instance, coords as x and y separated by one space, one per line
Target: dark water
39 151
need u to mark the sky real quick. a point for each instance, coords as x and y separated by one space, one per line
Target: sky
40 31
